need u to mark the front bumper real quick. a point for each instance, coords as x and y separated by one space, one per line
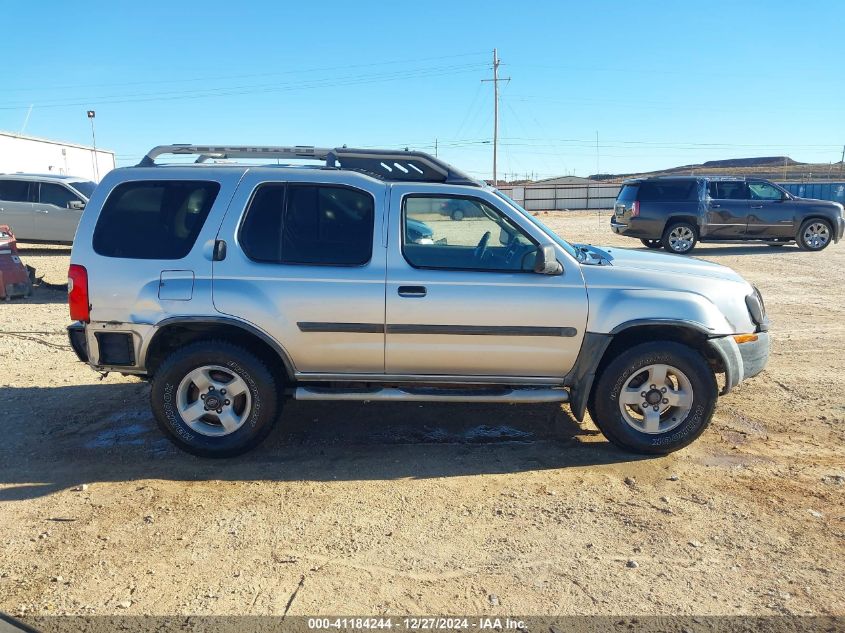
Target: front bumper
741 360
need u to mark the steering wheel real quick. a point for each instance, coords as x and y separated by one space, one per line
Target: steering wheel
481 249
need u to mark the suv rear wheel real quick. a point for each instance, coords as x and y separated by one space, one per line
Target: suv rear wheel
814 235
680 237
654 398
214 399
655 244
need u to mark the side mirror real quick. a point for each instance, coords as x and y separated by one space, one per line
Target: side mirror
546 262
76 205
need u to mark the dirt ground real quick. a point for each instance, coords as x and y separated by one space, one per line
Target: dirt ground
396 509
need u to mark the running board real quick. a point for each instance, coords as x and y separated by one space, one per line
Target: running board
431 394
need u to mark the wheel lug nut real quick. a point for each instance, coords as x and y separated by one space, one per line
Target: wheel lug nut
202 396
225 402
211 388
221 410
223 392
665 401
653 386
656 408
643 394
663 390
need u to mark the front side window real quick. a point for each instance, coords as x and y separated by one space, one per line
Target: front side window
764 191
309 224
14 190
85 187
56 195
153 219
481 239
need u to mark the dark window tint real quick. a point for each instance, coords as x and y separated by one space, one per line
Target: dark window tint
85 187
308 224
153 219
261 233
728 190
56 195
669 191
628 194
14 190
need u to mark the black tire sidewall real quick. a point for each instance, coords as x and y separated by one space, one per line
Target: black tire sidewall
665 239
800 237
259 380
608 418
652 244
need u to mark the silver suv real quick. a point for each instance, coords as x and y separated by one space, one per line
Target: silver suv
43 207
236 286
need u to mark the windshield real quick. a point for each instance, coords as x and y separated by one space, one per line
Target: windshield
85 187
536 222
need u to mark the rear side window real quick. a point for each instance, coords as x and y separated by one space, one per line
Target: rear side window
309 224
669 191
728 190
14 190
628 193
153 219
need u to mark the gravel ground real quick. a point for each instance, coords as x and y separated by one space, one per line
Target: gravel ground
408 509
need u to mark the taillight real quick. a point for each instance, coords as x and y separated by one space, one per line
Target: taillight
77 293
635 209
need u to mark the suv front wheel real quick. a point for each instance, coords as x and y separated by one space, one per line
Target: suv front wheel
814 235
680 237
654 398
214 399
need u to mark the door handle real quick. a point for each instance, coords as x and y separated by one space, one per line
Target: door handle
412 291
42 211
756 206
716 206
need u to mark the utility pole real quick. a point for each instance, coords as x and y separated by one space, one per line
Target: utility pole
842 162
91 115
496 80
435 148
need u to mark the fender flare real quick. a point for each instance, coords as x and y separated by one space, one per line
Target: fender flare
290 369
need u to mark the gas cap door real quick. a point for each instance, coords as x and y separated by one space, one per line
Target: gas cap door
176 285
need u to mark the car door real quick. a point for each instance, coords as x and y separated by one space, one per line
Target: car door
54 218
466 302
16 207
305 263
727 209
771 213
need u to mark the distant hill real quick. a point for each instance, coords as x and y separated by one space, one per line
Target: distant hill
770 167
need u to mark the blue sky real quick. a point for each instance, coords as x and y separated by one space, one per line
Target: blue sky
662 84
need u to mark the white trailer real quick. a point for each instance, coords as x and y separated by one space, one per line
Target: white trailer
31 155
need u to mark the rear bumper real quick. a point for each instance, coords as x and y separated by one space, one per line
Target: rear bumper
839 229
741 360
76 334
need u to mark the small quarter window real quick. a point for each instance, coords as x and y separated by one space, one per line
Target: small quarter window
153 219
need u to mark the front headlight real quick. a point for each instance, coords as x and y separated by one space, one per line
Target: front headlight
756 307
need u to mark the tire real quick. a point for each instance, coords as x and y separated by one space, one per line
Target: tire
815 234
655 244
249 415
689 379
458 215
680 238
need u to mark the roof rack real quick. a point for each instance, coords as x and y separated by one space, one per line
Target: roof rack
390 165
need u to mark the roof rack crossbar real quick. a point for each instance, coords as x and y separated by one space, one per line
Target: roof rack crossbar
392 165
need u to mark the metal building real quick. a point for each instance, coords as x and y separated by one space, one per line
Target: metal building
31 155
